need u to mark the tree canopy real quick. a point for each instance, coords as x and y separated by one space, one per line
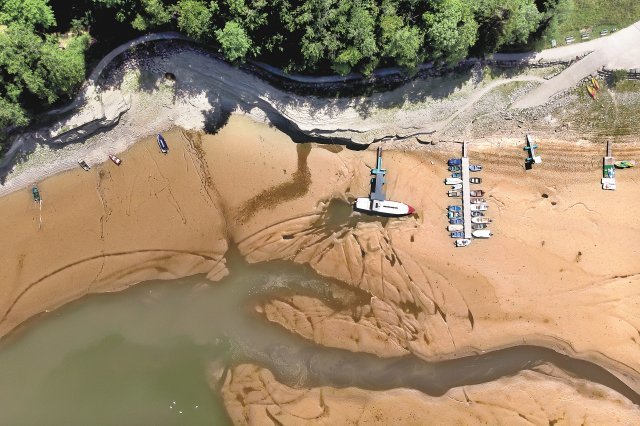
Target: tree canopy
35 69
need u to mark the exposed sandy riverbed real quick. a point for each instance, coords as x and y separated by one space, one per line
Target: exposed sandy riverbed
561 270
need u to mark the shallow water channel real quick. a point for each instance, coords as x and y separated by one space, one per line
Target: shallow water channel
141 356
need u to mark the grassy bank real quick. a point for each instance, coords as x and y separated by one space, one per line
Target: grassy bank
592 16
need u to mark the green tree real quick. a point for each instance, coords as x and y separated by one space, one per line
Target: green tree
400 41
341 32
34 13
65 68
234 41
141 14
33 67
194 18
450 29
359 38
151 14
504 22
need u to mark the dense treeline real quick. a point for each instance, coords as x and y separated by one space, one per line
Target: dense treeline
38 66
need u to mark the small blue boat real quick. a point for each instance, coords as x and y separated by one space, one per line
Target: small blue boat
162 144
455 208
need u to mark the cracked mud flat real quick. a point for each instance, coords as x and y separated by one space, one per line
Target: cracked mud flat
560 272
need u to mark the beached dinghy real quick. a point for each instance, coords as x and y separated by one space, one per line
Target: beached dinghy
84 165
162 144
36 194
377 203
115 159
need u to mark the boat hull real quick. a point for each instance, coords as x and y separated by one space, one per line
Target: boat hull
480 220
382 208
481 233
164 148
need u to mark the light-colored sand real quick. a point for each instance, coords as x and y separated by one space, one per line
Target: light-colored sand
560 271
253 396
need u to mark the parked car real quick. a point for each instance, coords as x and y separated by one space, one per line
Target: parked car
455 208
476 214
475 168
478 201
454 168
456 175
463 242
475 180
457 187
454 162
452 215
478 225
478 207
457 234
456 221
455 193
476 193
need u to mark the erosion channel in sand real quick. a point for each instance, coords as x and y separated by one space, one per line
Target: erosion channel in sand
555 275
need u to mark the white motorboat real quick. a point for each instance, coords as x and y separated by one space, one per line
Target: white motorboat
455 193
384 208
376 203
478 207
456 187
480 220
453 228
463 242
453 181
482 233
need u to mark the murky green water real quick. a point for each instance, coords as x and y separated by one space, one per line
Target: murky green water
136 357
140 357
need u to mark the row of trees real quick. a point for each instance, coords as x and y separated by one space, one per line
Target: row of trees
342 35
38 67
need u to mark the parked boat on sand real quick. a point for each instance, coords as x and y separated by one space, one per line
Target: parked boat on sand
164 148
481 220
84 165
115 159
482 233
463 242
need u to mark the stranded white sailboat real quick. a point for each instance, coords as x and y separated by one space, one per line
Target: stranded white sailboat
376 202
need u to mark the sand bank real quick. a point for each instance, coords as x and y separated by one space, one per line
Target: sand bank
253 396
